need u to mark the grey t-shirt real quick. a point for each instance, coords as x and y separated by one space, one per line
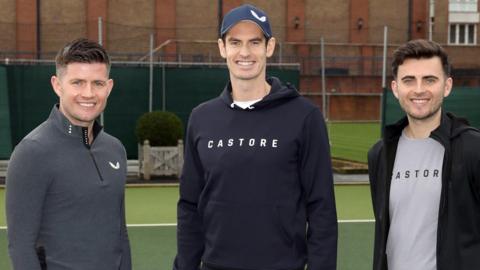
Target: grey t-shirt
414 204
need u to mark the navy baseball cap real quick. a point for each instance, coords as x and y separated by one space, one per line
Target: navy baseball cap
248 13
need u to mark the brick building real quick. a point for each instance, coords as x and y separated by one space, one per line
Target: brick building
186 30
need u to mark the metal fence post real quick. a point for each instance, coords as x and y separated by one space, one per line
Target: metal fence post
147 164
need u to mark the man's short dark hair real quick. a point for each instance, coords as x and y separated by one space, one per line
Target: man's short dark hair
81 51
417 49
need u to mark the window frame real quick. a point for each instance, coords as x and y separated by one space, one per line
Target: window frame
466 36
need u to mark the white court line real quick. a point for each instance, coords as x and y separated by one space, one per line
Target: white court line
153 225
175 224
356 220
134 225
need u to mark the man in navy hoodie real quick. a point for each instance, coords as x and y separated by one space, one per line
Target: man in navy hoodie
256 190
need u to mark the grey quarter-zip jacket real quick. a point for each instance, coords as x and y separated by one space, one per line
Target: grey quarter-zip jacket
65 199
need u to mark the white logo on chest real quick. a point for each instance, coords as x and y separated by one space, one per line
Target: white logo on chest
240 142
116 166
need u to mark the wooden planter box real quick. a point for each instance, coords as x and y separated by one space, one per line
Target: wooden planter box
160 160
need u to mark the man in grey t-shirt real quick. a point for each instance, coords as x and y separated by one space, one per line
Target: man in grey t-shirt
424 173
414 199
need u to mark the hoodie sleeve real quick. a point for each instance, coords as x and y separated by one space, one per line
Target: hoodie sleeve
317 184
190 240
26 186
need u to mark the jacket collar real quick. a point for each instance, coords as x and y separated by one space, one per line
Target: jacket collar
450 127
69 129
393 131
279 93
443 132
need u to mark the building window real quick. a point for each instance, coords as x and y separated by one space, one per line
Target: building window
463 5
462 34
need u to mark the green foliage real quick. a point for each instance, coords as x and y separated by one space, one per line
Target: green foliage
161 128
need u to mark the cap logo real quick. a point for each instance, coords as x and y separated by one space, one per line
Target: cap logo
262 19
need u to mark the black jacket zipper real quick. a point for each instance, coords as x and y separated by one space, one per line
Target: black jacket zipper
85 142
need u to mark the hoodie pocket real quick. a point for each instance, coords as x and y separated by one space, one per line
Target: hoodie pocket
239 232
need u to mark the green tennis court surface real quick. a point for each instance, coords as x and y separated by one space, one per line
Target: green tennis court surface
151 214
351 140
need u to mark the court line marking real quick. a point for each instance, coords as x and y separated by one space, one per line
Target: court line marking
153 225
175 224
356 220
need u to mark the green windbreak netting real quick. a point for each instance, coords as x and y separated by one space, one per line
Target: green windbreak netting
5 131
31 96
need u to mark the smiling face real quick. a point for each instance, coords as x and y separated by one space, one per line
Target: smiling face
246 51
420 87
83 89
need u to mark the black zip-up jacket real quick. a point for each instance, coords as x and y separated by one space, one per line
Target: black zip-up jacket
252 180
458 233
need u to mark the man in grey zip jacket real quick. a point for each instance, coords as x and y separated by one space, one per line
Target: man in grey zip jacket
65 180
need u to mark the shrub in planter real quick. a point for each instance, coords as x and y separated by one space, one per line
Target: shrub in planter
161 128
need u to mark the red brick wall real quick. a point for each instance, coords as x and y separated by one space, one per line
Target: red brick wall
26 32
419 21
96 9
394 15
350 108
328 19
165 25
295 20
197 20
354 105
359 14
7 25
130 24
440 31
277 12
229 5
342 84
61 22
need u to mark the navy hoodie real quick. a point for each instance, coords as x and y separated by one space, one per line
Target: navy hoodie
252 181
